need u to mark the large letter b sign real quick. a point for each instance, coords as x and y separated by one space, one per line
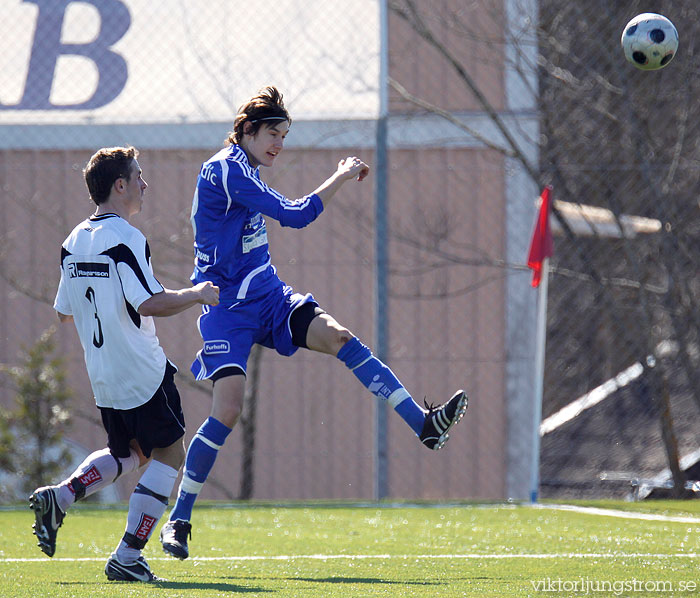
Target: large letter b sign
47 48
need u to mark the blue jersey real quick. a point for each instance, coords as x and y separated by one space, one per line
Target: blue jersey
230 238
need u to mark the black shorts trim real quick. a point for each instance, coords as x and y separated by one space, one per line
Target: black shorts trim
157 423
300 320
230 370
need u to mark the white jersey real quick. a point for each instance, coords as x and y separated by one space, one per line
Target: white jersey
106 275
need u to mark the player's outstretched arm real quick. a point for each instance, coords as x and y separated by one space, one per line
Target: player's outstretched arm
169 303
348 169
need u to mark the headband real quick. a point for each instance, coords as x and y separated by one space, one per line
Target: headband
269 118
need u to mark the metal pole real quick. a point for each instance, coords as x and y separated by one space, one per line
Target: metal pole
381 324
540 342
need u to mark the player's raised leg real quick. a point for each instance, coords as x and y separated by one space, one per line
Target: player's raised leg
326 335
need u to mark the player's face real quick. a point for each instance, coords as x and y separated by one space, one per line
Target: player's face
263 147
135 188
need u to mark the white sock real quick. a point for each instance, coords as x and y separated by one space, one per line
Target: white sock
146 506
100 469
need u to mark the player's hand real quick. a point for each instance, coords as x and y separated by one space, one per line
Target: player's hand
352 167
208 293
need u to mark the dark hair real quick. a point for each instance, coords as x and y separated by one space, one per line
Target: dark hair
264 108
106 166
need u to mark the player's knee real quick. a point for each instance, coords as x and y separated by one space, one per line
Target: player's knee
228 399
341 337
173 455
326 335
227 411
228 415
128 464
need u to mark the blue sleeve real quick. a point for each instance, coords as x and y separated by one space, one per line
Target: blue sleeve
247 190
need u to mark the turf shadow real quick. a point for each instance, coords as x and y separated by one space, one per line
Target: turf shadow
175 585
370 580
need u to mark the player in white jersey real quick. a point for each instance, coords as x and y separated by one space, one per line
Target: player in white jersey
231 249
108 289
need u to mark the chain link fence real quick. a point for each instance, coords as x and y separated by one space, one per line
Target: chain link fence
624 292
486 102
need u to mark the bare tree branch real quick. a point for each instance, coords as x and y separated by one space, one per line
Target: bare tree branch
448 117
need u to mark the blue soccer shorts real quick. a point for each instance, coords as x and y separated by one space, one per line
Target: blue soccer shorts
230 329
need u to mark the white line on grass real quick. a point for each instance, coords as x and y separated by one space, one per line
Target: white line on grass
620 514
407 557
472 556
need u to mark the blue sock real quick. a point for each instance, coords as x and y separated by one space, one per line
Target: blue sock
381 382
201 455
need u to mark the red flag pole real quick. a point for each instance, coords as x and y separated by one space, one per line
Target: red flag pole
541 248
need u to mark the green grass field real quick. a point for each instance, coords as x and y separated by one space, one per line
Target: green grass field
335 550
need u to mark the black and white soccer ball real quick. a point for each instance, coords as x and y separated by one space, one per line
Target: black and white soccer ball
650 41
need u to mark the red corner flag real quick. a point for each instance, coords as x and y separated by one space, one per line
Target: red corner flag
541 246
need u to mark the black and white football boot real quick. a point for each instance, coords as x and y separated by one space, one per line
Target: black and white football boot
439 420
49 518
139 570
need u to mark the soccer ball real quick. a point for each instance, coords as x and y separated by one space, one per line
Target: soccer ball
649 41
